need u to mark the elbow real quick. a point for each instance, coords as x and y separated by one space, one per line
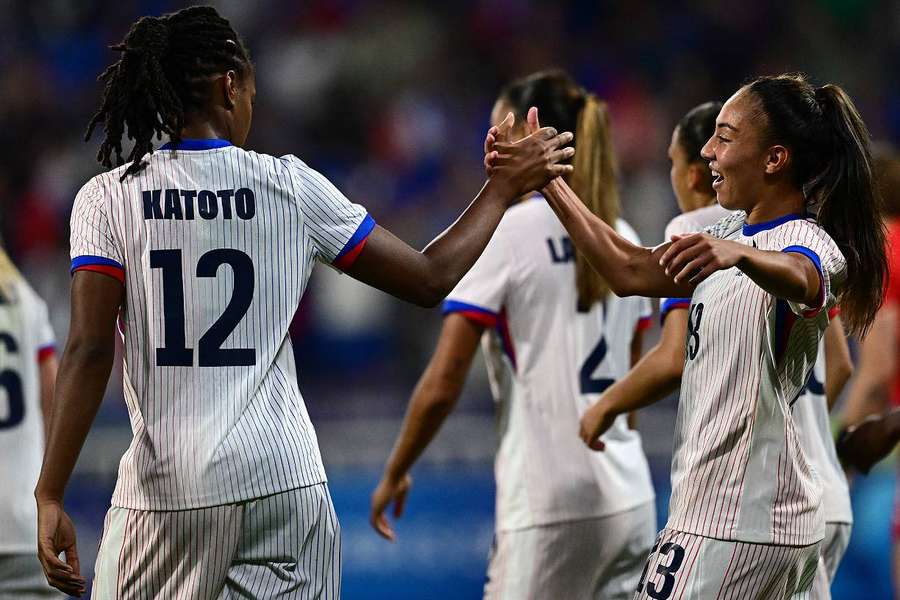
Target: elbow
673 369
433 291
90 351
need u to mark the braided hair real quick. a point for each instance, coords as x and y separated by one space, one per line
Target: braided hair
164 73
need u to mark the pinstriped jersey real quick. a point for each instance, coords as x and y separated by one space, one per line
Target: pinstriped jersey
214 246
547 364
810 413
26 339
738 471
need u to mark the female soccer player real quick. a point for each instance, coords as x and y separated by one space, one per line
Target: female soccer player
202 251
659 372
745 514
570 523
27 373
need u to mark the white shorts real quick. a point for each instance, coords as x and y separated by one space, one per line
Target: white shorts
831 551
286 545
692 567
22 578
592 559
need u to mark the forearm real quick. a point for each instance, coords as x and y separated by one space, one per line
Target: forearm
629 269
785 275
429 407
425 278
82 380
48 369
653 378
452 253
868 396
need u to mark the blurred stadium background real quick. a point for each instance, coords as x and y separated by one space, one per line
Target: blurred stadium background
391 100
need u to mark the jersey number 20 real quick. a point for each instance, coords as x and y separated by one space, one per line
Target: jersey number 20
210 352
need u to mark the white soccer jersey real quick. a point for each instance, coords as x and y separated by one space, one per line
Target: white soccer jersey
214 245
25 340
811 418
548 363
738 472
689 222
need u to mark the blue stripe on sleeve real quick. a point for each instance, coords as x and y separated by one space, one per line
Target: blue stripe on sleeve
811 255
364 229
808 254
452 306
671 303
87 259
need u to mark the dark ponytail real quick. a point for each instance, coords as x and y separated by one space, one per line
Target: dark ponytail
167 63
832 164
565 105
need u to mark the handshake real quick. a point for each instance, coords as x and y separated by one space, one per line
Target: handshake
527 164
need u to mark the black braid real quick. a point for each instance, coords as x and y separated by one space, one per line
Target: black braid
166 65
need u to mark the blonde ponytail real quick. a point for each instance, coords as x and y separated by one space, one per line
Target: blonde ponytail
594 181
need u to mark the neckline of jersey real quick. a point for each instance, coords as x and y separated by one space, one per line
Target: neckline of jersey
749 230
196 144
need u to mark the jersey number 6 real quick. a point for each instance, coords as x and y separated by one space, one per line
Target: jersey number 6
12 383
210 351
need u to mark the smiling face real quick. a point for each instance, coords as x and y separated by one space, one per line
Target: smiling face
737 154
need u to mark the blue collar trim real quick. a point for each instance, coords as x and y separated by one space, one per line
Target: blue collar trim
196 145
756 228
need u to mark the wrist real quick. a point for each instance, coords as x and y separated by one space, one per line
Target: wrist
393 473
44 496
498 190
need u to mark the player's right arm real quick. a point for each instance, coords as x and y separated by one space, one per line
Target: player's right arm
656 375
870 392
83 375
426 277
433 399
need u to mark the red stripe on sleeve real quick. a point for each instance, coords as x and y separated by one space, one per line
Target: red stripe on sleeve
347 260
105 270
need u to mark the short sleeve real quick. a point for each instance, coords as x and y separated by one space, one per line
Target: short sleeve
337 227
811 241
93 246
645 316
480 294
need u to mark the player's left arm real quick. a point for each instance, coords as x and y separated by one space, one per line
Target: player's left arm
432 401
788 275
83 375
838 365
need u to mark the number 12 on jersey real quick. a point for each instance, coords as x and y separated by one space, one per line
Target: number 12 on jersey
175 352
